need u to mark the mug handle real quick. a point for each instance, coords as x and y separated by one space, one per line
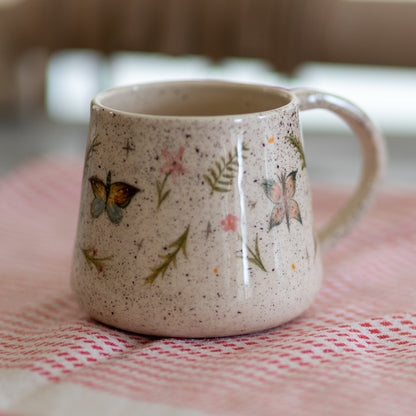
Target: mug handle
373 161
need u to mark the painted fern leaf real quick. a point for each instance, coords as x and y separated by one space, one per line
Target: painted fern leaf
92 148
255 256
221 176
170 257
296 143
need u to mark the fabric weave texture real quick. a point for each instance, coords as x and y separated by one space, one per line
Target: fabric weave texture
352 353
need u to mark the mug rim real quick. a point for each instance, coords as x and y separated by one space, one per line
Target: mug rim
98 99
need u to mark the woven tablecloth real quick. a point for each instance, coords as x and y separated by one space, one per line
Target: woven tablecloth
352 353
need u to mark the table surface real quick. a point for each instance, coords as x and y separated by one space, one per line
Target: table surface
352 353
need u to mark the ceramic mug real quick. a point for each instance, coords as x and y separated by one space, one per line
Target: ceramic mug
195 216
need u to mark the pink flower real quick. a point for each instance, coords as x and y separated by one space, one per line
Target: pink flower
173 164
230 223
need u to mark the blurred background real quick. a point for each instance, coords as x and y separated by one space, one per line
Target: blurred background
55 55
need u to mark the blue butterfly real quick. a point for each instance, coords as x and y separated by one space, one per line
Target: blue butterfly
111 197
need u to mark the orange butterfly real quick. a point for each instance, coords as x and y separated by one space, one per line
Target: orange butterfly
110 197
285 207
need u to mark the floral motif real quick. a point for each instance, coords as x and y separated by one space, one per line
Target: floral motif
255 257
178 245
230 223
285 207
173 164
90 255
172 167
297 144
221 176
91 149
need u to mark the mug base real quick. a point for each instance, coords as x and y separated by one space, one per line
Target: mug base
182 332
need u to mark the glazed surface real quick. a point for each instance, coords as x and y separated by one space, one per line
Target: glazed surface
197 226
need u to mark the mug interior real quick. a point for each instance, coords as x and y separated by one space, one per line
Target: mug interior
194 98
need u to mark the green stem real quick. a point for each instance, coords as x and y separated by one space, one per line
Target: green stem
91 150
255 255
160 187
179 244
296 143
221 176
232 161
94 261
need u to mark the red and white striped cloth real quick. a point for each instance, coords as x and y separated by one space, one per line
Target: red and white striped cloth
352 353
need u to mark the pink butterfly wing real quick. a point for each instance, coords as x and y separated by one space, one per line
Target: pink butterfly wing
278 215
272 190
294 211
290 184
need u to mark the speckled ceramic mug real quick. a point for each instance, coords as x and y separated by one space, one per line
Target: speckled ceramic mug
195 216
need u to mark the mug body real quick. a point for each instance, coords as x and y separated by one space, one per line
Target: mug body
195 216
